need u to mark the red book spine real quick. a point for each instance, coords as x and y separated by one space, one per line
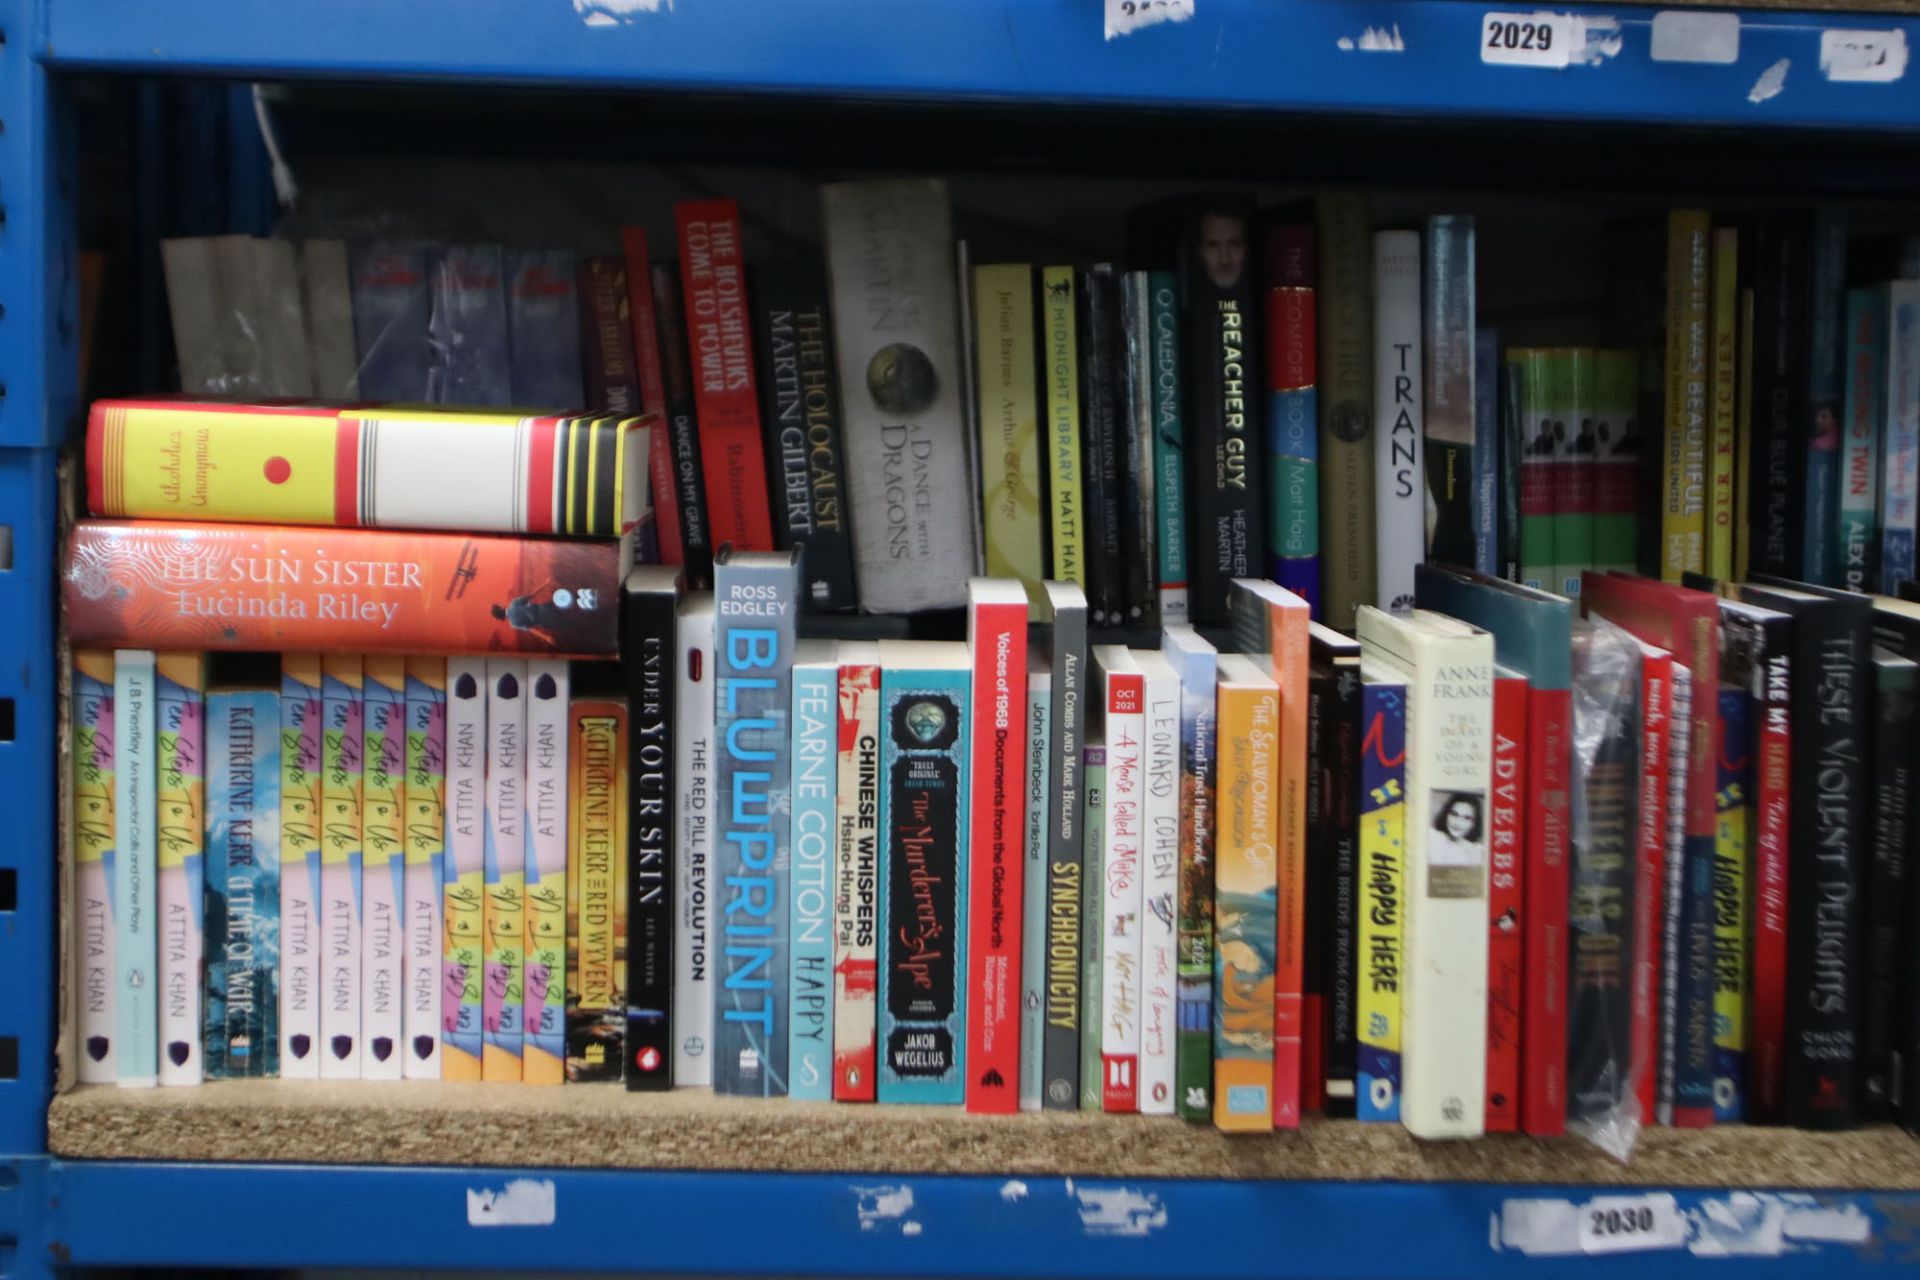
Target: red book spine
1773 754
1121 894
1506 991
1543 1028
713 278
1650 877
998 634
653 395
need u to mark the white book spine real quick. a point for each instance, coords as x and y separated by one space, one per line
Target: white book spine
1120 925
1399 433
383 868
1900 477
504 990
342 770
1160 887
300 826
136 868
545 1003
693 828
426 851
1033 906
181 828
461 1016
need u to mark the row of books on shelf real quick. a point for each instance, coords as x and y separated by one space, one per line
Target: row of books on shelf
1488 865
1292 392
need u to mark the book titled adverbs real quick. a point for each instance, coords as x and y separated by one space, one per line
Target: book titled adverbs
462 1009
382 865
696 815
342 827
135 868
756 602
425 853
504 989
1506 898
1197 663
813 767
1064 615
180 830
856 878
890 262
545 1009
652 605
1448 666
243 880
93 859
924 722
598 789
1383 856
1244 893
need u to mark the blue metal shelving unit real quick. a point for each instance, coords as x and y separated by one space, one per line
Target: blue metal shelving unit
1304 56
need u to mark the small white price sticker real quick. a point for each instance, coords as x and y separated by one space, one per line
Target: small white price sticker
1631 1224
1864 57
1124 17
1529 39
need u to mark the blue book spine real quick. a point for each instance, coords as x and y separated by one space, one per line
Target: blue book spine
1383 776
243 883
756 595
136 869
1733 817
815 784
1899 506
923 882
543 323
1693 1032
1169 446
1293 440
468 359
1860 446
1486 452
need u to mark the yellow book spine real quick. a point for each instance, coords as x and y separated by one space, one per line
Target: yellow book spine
1062 366
1683 523
1244 888
1726 382
1383 894
1009 424
597 887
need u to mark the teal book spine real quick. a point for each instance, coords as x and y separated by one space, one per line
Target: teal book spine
136 870
1169 446
814 774
1861 442
1293 440
243 884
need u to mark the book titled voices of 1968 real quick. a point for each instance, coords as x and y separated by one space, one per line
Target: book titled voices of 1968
243 880
756 600
651 603
94 857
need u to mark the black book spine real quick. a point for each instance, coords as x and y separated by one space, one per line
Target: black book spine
1066 864
648 649
1316 958
1512 447
1100 445
1228 470
1136 455
1342 790
800 410
606 339
676 372
1782 289
1887 877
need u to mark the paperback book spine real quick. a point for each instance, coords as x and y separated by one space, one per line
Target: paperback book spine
1340 789
696 815
1317 966
1139 529
1033 905
1101 464
814 766
1724 320
1782 271
1860 460
1616 460
1092 1076
504 991
1159 889
1449 319
1169 447
996 782
1486 452
135 869
1066 859
243 847
1120 923
598 792
468 359
1900 473
342 775
680 424
543 330
1399 502
856 883
545 982
1744 418
94 828
1673 927
180 827
1820 461
1293 428
1546 884
1244 888
463 967
1733 800
1683 518
300 874
653 839
425 854
390 308
1888 878
1650 905
1193 1072
1344 391
1059 318
606 339
1534 375
1772 812
712 273
1514 485
1383 755
1573 447
383 866
1506 891
650 376
1009 407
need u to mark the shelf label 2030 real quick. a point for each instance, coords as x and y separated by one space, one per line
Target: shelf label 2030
1529 39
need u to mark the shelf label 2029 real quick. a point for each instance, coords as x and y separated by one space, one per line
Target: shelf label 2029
1529 39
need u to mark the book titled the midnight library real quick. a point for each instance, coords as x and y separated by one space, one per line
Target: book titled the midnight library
756 601
650 605
1064 611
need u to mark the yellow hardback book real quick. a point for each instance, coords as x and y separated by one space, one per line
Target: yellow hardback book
1009 426
1061 362
1683 523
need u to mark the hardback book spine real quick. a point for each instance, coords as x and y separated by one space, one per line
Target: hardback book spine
544 984
390 592
1139 529
1900 456
1733 802
1066 852
801 386
1169 446
1060 365
463 967
180 766
503 994
1244 894
1782 273
543 330
599 788
1033 904
1383 895
1819 459
815 778
1101 464
651 600
325 283
1888 877
94 827
924 733
857 874
1092 1074
390 308
1009 407
1506 898
1573 499
383 865
712 274
1399 502
135 869
1159 885
1197 664
997 783
1860 447
243 859
606 339
681 424
1514 442
756 600
1684 483
1616 460
1723 316
650 375
468 360
1123 697
425 854
342 798
695 818
1535 377
889 258
1293 428
1450 365
1344 391
1486 452
1650 906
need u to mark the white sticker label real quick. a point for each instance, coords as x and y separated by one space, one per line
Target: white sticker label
1631 1224
1530 39
1124 17
1694 35
523 1202
1867 57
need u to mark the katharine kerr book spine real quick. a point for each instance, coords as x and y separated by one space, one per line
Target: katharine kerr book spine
756 598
